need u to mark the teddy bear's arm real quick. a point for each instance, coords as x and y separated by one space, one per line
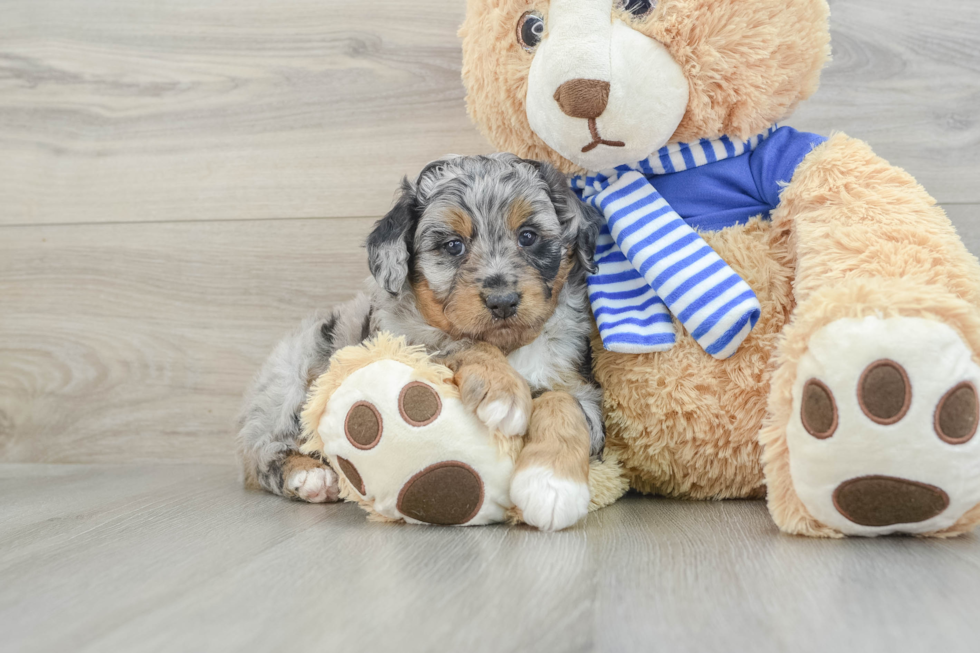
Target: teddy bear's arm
852 217
880 275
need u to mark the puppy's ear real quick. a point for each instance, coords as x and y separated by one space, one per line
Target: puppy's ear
580 222
431 175
389 245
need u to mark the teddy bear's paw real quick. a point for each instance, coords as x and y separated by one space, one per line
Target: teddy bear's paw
498 396
314 485
881 437
548 502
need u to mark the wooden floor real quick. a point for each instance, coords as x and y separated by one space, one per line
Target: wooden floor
182 181
179 558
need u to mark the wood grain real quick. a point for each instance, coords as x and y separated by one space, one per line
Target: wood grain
168 558
135 341
120 111
906 78
966 219
207 110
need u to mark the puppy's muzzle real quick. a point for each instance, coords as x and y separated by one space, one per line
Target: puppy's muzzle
503 305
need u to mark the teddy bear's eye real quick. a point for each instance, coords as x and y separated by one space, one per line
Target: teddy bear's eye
530 29
638 7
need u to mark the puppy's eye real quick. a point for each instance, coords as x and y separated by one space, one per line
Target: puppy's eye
527 238
454 247
530 29
638 7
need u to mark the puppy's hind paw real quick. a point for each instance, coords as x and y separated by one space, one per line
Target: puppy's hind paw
314 485
548 502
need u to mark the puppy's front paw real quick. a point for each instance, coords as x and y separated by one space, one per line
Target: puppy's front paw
498 396
314 485
548 502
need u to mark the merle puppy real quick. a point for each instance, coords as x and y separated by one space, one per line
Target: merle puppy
483 261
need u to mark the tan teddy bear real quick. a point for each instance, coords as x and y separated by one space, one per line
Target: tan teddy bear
775 310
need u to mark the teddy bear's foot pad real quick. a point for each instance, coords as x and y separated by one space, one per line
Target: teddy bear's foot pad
881 437
446 493
886 500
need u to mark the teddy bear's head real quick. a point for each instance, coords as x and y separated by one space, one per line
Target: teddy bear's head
592 84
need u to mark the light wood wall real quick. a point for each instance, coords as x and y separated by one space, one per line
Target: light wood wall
182 181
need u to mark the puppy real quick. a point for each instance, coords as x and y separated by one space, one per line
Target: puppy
483 261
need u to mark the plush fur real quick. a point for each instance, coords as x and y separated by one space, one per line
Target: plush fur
686 425
853 237
867 240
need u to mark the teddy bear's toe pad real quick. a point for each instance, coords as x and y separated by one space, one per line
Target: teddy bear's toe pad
884 393
958 414
819 413
363 425
419 404
881 435
354 476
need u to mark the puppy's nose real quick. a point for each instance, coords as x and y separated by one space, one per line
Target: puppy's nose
503 305
583 98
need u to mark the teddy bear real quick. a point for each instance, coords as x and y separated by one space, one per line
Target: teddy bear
390 420
779 314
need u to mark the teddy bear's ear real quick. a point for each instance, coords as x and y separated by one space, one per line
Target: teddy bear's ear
389 242
580 221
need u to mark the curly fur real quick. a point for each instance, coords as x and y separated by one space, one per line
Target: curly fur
415 286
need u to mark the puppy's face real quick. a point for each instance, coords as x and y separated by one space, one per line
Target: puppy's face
486 245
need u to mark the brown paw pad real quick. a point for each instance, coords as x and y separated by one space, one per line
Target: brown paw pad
819 411
446 493
363 425
886 500
419 404
353 476
958 414
884 392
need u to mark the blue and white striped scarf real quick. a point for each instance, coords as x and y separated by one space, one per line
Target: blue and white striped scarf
652 264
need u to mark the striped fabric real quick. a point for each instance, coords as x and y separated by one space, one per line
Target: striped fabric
653 266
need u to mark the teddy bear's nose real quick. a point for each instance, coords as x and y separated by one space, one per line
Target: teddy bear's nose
583 98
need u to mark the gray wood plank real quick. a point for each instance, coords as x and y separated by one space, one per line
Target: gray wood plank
116 111
906 78
164 558
136 341
119 111
966 219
